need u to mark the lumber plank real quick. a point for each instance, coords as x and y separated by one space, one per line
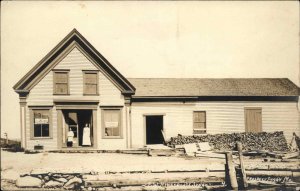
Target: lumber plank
231 171
270 173
290 155
143 179
239 147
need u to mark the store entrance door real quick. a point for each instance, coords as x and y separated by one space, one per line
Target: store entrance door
77 128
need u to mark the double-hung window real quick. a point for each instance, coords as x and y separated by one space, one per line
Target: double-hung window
199 119
61 82
90 82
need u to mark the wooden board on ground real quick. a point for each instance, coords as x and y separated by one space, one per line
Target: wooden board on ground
291 155
204 146
190 149
209 154
152 178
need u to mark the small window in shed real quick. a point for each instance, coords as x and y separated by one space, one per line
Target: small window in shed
90 82
199 119
61 82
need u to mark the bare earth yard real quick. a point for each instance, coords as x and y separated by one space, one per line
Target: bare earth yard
14 164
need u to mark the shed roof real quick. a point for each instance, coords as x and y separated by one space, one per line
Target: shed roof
154 87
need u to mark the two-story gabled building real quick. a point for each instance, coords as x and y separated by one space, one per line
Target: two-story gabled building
74 88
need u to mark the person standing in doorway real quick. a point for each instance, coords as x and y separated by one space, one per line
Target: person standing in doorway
70 136
86 138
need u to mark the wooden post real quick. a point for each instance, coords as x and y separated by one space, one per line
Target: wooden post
6 138
239 147
231 171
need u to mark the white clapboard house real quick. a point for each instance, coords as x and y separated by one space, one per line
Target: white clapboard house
74 86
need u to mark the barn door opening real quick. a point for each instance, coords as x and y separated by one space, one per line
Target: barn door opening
154 127
253 120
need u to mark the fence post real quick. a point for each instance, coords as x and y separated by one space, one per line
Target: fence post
231 171
239 147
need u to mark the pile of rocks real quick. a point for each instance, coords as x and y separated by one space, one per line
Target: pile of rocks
273 141
50 180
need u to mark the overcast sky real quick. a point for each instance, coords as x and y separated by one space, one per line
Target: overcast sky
153 39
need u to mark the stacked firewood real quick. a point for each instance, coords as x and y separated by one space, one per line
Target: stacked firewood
274 141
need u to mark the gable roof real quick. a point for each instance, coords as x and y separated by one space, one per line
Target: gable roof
180 87
26 83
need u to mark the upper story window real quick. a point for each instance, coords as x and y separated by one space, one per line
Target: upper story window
90 82
61 82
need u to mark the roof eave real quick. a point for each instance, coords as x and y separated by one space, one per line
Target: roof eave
285 98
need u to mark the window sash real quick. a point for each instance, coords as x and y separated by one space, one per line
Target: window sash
112 123
41 123
61 77
61 88
90 83
41 130
61 82
199 116
199 122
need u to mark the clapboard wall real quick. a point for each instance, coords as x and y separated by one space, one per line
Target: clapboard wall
42 95
221 117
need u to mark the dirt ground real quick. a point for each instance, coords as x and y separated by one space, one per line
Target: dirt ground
14 164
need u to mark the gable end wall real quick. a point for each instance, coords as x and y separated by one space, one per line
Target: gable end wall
42 94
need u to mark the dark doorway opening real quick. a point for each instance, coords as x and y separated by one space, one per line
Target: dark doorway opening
76 121
154 126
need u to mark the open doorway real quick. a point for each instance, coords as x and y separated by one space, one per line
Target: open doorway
78 128
154 127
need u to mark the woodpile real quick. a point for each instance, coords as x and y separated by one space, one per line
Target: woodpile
273 141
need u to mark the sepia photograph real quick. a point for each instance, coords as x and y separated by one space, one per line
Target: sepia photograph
150 95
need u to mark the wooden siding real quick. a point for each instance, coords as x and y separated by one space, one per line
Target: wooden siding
75 61
42 95
221 117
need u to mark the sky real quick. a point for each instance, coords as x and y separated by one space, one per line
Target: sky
208 39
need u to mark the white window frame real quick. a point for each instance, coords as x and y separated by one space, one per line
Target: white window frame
32 123
120 123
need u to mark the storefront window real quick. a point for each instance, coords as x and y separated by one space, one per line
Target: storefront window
41 123
112 122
